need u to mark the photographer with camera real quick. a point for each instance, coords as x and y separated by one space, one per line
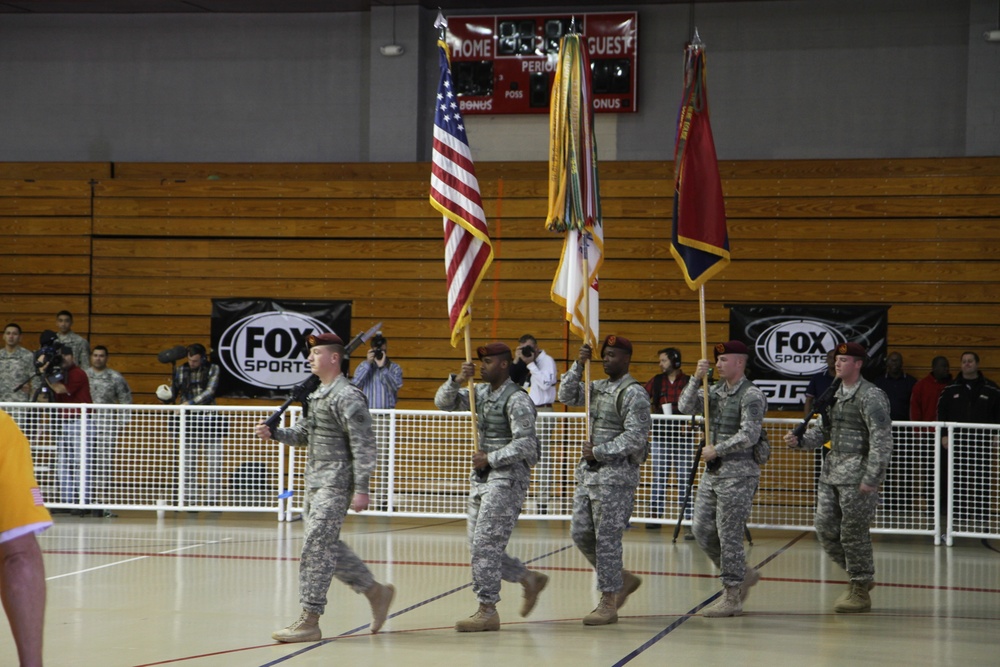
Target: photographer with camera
69 384
378 377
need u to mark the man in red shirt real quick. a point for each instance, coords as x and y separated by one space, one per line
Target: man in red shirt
667 452
927 392
72 387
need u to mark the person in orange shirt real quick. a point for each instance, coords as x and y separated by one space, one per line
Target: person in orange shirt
22 516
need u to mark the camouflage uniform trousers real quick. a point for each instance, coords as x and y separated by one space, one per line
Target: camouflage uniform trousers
843 517
721 510
324 554
600 515
492 511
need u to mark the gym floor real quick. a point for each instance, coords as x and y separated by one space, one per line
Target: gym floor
206 589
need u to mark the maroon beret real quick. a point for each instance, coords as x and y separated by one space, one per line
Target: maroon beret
618 342
316 340
852 350
492 350
732 347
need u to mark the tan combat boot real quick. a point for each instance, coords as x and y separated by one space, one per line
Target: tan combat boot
534 583
485 619
855 600
630 583
606 611
306 629
727 605
750 580
380 597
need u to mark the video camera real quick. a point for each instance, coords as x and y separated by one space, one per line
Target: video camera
49 357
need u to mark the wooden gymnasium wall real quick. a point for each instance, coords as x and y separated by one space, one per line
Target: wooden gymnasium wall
137 252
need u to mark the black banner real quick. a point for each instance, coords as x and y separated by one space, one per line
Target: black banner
789 343
260 343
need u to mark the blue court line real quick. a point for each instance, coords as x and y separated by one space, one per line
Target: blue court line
343 635
691 613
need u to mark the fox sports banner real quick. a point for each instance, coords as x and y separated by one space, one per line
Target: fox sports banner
789 343
260 344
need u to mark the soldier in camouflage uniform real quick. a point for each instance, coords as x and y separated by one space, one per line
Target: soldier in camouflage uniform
859 429
725 493
508 449
107 386
341 459
608 472
65 335
17 367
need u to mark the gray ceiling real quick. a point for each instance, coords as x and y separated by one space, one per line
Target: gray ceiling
283 6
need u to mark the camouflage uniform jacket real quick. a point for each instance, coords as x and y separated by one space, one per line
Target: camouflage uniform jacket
342 449
621 438
737 418
80 347
15 368
860 436
506 422
109 386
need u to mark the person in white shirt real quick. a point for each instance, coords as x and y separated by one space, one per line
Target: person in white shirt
535 370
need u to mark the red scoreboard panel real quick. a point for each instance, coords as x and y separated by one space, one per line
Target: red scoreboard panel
506 64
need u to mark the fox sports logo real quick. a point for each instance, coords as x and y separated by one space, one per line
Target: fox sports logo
797 347
269 349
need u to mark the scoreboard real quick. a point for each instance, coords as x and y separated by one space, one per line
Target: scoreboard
506 64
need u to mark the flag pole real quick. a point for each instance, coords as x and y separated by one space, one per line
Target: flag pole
704 355
587 338
472 389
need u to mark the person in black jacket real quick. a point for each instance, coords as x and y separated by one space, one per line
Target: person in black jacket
970 399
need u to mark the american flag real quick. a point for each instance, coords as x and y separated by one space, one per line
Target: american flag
455 193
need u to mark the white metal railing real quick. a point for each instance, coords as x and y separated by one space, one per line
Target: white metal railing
208 458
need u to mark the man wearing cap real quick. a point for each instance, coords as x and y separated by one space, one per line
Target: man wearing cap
195 383
860 435
340 461
737 441
608 472
501 473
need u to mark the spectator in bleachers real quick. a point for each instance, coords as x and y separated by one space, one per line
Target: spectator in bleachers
107 386
66 336
898 386
970 399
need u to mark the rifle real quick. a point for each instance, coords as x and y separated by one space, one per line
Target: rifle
299 392
826 400
361 338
